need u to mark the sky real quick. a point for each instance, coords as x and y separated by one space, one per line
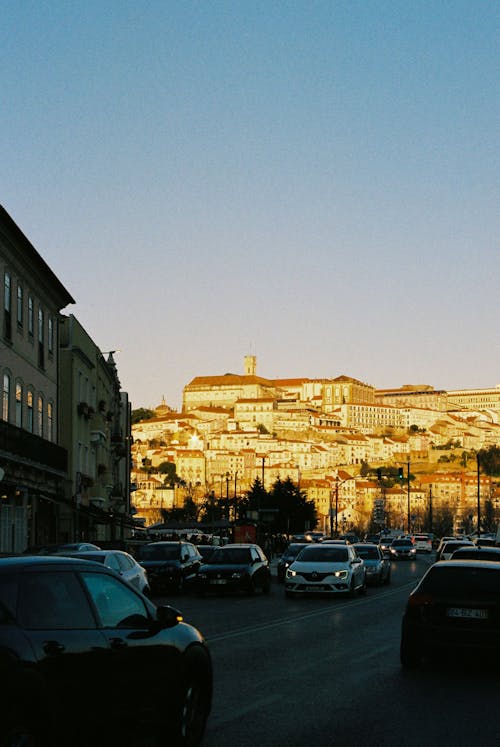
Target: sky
314 183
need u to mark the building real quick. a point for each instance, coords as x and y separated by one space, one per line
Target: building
33 464
476 399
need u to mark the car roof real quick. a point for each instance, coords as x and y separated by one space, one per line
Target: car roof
366 544
490 564
478 550
237 544
21 562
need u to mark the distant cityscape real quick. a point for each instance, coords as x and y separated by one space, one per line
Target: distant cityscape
77 463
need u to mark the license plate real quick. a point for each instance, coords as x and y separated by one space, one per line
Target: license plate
467 612
218 581
313 588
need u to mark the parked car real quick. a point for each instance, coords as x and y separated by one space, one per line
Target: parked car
54 549
485 542
326 569
378 566
287 559
169 565
236 567
422 542
120 562
448 548
476 553
402 549
71 629
455 608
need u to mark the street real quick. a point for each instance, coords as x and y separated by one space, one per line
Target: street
322 671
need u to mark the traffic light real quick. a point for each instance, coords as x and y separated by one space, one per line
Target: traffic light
400 473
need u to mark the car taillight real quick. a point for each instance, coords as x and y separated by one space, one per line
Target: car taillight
417 602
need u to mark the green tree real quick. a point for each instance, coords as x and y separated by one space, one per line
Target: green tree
142 413
489 460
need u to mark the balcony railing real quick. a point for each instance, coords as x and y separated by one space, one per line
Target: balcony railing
20 443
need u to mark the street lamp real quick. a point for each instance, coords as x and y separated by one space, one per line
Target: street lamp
478 460
338 483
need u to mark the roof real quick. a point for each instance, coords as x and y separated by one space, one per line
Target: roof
228 379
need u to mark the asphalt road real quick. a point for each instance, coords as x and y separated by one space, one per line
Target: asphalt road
326 671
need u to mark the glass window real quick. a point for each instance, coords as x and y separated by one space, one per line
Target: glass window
31 322
41 357
19 405
6 397
29 409
112 562
7 306
20 309
53 601
50 422
50 336
40 415
116 605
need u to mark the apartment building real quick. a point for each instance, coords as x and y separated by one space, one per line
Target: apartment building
33 463
476 399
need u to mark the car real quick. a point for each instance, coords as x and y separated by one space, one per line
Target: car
287 559
326 569
54 549
448 548
385 542
455 609
206 551
331 541
422 542
442 542
372 538
485 542
402 549
314 536
235 567
378 567
71 629
476 553
170 565
121 562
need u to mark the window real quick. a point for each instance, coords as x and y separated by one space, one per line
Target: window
6 397
20 309
50 422
53 601
31 322
117 605
41 356
29 402
7 328
19 405
40 415
50 336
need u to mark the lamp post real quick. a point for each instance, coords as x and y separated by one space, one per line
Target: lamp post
478 460
338 483
409 507
227 495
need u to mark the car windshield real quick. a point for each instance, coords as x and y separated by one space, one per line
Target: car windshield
331 554
293 551
470 554
402 543
230 556
446 579
159 552
370 553
90 556
451 546
421 538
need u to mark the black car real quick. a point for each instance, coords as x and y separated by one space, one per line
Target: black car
238 567
170 565
89 660
455 609
287 559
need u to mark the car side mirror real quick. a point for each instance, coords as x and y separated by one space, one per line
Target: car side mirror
167 616
185 557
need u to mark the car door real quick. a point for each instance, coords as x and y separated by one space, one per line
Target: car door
69 648
141 664
357 565
129 570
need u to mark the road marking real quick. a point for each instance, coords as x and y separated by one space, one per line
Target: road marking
308 615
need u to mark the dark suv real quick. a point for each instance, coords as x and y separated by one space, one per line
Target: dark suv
169 565
89 660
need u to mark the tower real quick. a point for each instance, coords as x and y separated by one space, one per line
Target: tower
250 365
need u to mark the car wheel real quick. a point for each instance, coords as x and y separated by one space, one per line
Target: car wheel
266 586
362 588
195 702
251 587
352 588
179 587
408 653
388 579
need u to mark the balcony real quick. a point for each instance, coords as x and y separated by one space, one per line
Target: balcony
19 443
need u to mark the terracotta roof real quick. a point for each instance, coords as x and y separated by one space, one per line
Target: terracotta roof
228 379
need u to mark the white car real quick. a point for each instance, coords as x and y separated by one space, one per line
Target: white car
449 548
422 543
124 564
326 569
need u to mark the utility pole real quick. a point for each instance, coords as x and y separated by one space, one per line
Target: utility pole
430 509
409 513
478 493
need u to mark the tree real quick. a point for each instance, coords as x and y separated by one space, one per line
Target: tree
489 460
284 509
142 413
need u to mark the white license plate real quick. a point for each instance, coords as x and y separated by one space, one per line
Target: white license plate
218 581
467 612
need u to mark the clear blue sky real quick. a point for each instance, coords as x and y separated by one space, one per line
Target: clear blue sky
316 183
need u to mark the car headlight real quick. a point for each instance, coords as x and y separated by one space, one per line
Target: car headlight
341 574
237 574
290 573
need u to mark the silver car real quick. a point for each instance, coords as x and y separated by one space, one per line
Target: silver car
326 569
121 562
378 566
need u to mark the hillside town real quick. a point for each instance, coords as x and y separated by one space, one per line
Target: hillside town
78 463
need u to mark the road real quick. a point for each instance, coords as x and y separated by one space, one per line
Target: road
326 671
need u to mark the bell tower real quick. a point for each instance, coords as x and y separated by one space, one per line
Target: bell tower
250 365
